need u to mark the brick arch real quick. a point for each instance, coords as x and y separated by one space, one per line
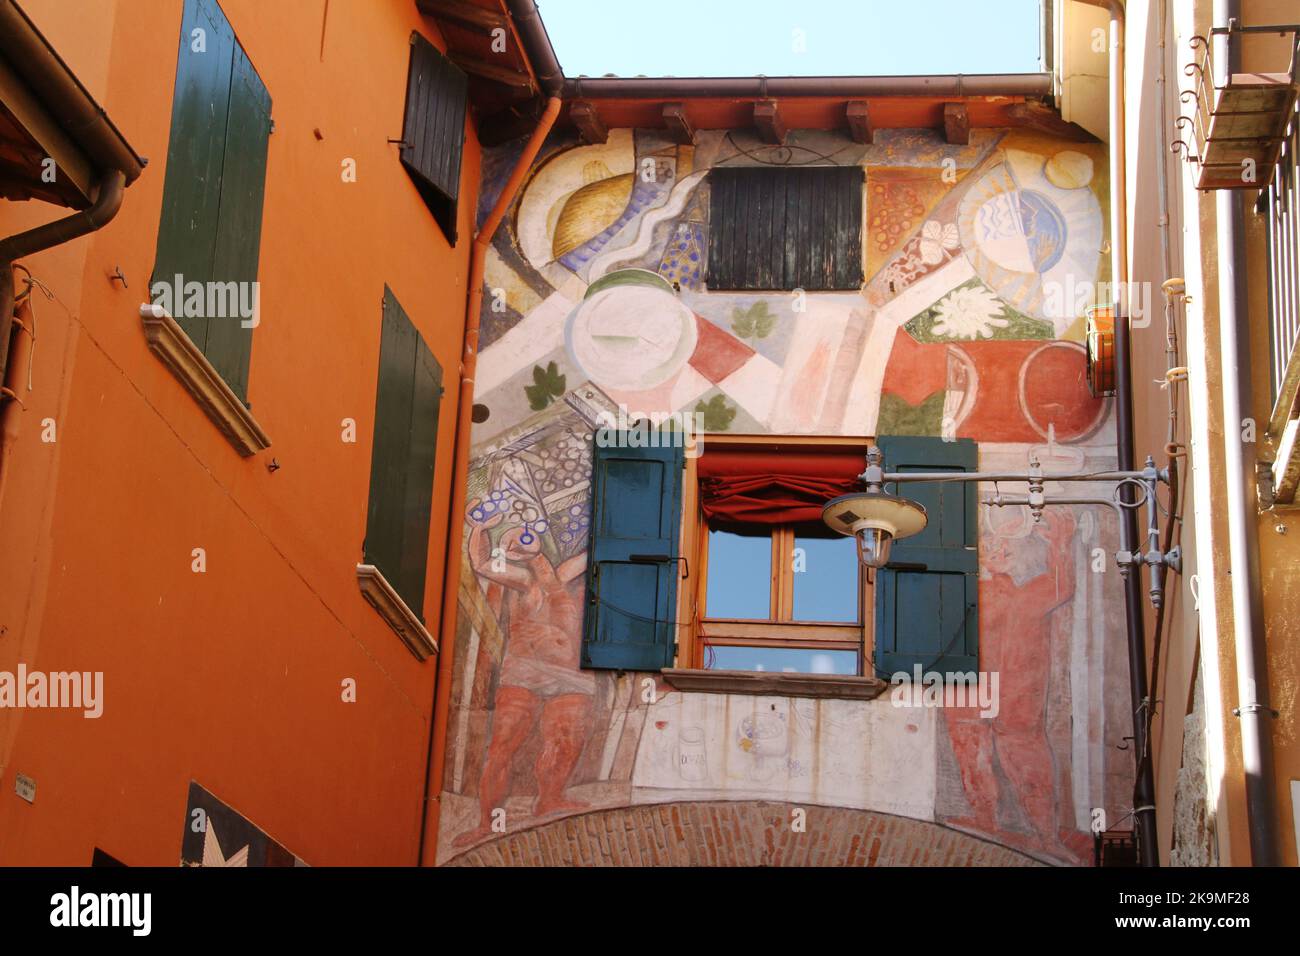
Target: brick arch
738 833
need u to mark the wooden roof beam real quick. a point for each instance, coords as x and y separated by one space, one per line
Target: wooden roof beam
956 124
586 117
859 120
767 120
464 14
678 124
490 71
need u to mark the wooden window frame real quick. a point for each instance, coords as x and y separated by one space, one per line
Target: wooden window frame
695 632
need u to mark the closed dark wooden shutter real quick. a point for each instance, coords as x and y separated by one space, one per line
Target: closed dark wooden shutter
211 225
782 228
433 132
239 229
927 598
196 155
632 567
408 399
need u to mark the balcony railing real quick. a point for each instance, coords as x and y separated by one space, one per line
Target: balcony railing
1238 121
1279 206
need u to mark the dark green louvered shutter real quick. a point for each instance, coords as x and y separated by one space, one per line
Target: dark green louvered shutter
211 226
239 228
785 228
196 155
433 130
632 567
927 598
408 399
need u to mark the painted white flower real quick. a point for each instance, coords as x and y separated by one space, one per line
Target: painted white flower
936 240
968 313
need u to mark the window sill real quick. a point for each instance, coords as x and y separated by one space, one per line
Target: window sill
384 599
168 341
775 684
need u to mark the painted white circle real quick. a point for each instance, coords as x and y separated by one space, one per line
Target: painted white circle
632 337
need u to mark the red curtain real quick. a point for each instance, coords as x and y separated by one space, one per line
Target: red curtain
775 487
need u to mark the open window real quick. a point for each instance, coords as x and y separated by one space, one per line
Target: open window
721 563
777 591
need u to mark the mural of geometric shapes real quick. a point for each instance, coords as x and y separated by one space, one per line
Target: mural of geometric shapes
898 417
963 388
1028 238
631 332
1054 393
517 293
216 835
535 337
997 415
687 388
898 201
755 386
970 312
540 484
717 354
572 225
511 401
914 371
683 259
634 245
1026 386
558 179
762 322
722 413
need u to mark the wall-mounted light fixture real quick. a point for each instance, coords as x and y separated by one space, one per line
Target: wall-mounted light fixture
877 518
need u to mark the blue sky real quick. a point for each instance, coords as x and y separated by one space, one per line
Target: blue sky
746 37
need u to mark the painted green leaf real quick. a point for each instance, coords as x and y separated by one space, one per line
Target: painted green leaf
717 414
756 322
548 385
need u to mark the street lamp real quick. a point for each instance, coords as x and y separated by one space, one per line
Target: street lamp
876 518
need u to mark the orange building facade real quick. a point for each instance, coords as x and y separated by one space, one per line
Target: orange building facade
217 592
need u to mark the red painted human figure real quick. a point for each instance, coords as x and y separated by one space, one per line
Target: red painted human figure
1017 621
541 688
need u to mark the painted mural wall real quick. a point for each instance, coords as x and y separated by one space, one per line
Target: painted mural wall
979 263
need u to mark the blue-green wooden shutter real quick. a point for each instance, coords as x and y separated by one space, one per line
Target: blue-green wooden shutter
408 399
927 598
632 567
211 225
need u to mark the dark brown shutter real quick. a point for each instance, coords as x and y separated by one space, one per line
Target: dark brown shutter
433 132
780 228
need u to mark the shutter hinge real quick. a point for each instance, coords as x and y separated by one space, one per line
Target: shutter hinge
272 129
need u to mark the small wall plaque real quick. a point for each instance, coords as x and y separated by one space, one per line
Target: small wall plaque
25 787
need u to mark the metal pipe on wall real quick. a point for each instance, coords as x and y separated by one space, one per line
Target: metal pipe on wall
1144 812
437 758
1253 709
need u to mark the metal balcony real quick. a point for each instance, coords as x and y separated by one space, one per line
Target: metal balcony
1238 121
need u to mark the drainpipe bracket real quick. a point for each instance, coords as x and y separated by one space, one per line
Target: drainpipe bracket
1255 709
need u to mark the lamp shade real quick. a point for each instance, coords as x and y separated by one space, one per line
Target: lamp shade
875 519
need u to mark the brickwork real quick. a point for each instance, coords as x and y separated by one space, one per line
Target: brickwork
740 833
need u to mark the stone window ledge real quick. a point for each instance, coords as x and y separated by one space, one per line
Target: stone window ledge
168 341
384 599
775 684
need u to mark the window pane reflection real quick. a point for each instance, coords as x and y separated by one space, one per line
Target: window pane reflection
740 575
826 580
789 660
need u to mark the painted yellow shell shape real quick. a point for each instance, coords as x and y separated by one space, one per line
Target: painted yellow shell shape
588 211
